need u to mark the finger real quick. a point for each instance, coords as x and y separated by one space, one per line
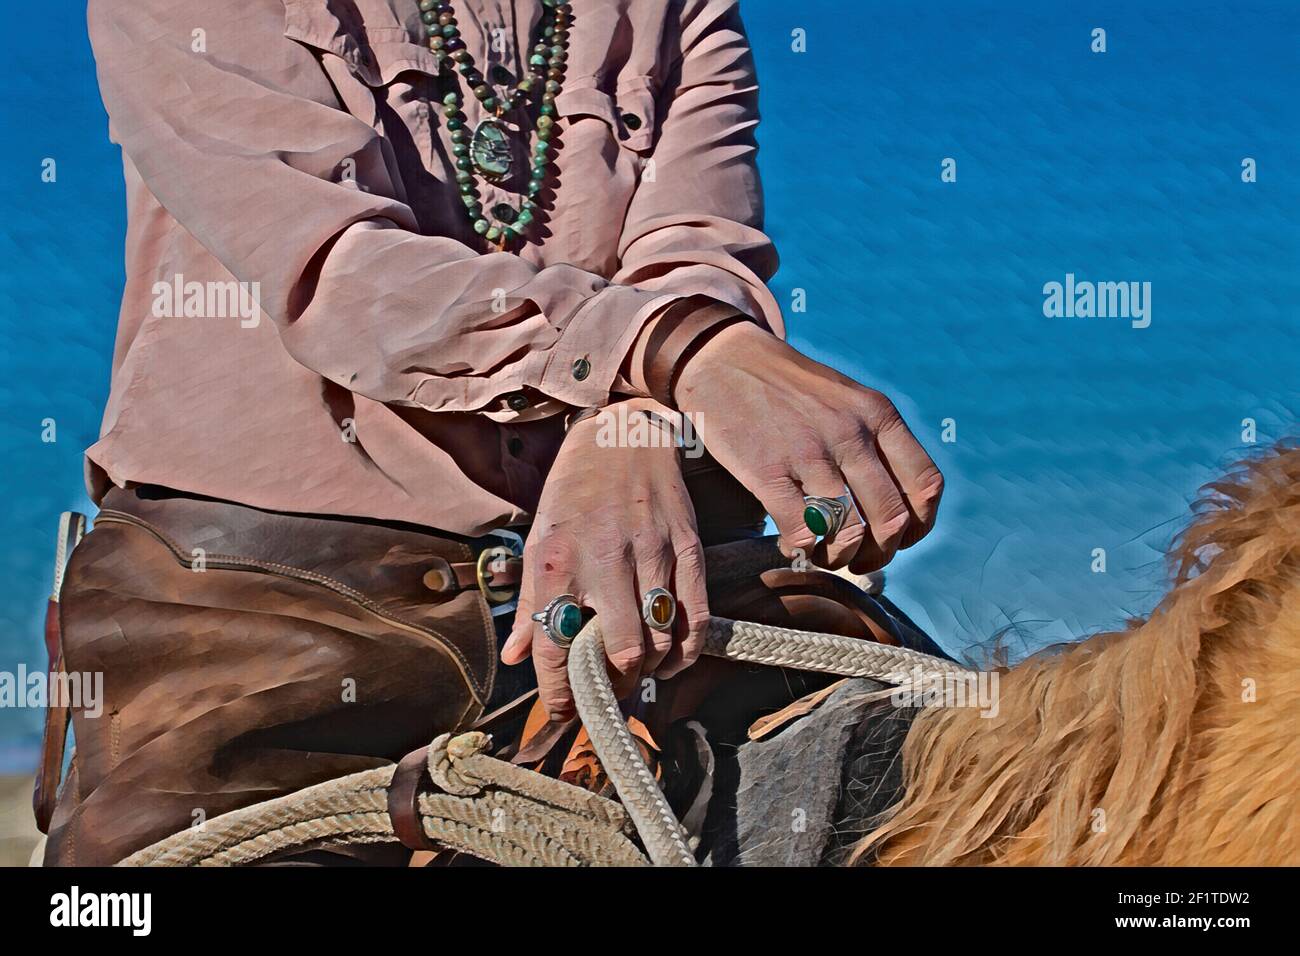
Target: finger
654 569
824 479
618 608
882 506
783 501
519 644
913 470
691 626
550 565
552 666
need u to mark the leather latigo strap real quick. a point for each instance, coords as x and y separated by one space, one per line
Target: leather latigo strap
54 738
682 329
404 797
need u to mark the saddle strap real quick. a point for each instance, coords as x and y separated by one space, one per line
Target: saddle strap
58 713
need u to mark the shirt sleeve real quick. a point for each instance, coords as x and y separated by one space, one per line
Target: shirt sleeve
695 224
240 138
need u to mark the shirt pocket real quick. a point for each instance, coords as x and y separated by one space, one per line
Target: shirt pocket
360 58
387 80
629 112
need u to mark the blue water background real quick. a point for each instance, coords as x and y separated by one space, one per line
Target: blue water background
1071 434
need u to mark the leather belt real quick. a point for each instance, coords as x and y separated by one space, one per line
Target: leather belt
327 545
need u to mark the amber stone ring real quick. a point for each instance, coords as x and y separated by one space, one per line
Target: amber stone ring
561 620
659 609
825 516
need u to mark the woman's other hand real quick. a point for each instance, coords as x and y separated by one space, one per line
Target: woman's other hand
786 426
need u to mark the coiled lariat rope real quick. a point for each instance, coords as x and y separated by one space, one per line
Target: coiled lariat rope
481 806
496 811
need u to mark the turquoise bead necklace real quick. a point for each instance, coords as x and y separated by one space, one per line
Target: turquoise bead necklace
485 152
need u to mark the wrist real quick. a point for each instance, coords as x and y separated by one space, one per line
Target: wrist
637 422
677 334
716 348
592 419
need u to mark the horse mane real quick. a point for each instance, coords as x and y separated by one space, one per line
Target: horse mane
1170 743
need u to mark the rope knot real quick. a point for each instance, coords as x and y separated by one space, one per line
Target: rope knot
449 762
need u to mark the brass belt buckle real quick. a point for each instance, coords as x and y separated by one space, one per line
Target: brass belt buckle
483 571
501 600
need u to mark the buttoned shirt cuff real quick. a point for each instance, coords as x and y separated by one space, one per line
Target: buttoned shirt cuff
582 366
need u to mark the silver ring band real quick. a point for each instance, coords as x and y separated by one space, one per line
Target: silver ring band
658 609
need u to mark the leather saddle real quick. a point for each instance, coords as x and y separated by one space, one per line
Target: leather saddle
762 699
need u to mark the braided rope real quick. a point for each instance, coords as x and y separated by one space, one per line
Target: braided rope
505 814
826 653
662 836
502 814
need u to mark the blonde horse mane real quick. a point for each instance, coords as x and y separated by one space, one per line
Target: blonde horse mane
1172 743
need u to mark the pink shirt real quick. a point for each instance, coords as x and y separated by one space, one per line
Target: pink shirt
395 366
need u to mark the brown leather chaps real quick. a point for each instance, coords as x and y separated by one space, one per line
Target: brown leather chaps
246 655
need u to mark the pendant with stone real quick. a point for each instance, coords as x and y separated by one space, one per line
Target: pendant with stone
489 149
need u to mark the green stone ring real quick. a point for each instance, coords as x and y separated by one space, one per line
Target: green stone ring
561 620
658 609
825 516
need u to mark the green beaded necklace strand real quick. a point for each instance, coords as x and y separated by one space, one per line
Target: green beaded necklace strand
486 152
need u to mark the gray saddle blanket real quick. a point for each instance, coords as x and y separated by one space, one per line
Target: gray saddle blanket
806 795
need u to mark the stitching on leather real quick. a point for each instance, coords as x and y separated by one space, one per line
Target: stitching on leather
114 739
490 636
236 562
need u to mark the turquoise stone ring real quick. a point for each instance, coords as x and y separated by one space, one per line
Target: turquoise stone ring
561 620
825 516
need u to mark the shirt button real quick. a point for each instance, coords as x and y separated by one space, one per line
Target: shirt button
515 446
631 121
517 401
500 75
581 369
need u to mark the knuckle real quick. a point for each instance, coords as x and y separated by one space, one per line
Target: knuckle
627 659
850 443
656 552
773 477
695 615
549 658
556 554
807 447
851 535
550 669
696 630
893 523
881 413
610 550
690 555
931 482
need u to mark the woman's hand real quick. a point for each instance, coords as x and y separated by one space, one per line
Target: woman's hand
613 523
786 426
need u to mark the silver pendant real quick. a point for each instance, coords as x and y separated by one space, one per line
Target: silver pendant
489 148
